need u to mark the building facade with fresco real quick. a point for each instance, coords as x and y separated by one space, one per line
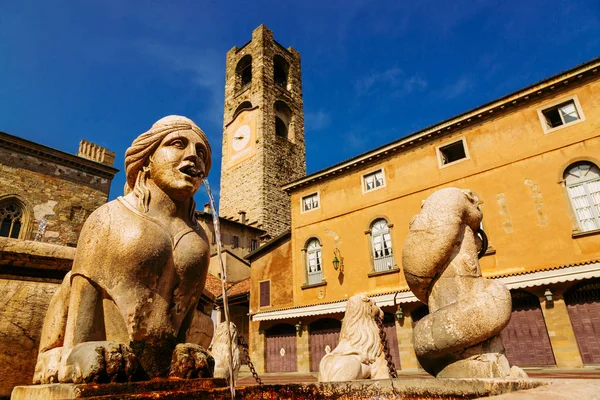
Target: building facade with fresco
532 157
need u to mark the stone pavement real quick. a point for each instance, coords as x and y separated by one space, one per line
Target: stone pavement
245 378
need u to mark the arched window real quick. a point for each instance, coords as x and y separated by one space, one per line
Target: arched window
381 243
283 117
583 185
314 262
11 218
280 71
243 71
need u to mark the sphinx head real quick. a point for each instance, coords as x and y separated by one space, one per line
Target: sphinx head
175 154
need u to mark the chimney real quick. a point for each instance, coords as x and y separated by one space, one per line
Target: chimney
207 208
93 152
242 217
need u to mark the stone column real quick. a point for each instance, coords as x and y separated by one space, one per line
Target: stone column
256 338
560 331
303 349
404 332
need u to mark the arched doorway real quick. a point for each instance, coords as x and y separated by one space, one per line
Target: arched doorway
389 326
280 349
525 338
583 304
324 337
416 315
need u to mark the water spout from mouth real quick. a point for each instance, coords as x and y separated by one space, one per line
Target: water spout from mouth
217 227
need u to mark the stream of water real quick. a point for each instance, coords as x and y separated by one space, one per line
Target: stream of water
217 227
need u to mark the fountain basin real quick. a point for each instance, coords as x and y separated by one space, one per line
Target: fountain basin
362 389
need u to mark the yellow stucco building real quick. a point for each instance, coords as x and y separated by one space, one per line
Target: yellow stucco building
532 158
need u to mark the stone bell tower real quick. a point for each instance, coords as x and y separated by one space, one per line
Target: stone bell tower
263 132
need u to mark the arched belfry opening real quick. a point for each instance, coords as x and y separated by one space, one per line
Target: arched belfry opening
243 72
280 71
283 118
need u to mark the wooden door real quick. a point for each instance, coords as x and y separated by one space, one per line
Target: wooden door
389 326
324 336
583 303
280 349
526 338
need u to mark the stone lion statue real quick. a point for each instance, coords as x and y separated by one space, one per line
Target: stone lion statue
459 338
125 310
359 353
220 351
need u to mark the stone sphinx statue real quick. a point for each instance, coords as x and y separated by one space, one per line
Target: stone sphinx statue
220 350
125 310
459 338
359 353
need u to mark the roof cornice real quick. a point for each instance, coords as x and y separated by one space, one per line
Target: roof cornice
286 235
24 146
556 83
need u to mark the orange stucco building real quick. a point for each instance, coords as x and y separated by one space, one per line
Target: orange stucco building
531 157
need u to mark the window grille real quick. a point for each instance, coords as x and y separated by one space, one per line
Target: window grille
314 262
583 185
381 240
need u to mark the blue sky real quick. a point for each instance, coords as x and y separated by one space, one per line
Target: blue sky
373 71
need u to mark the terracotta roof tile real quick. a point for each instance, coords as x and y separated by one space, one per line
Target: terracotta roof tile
240 287
212 288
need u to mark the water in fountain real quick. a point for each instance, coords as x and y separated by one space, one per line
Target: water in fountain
217 227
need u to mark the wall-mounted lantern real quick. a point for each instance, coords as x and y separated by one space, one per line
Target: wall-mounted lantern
338 263
548 295
298 326
399 313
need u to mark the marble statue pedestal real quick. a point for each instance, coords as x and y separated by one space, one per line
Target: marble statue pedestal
114 391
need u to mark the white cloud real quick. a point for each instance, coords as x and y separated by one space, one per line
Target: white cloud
390 78
366 84
317 120
413 84
457 88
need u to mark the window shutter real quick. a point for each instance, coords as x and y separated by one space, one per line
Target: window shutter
265 293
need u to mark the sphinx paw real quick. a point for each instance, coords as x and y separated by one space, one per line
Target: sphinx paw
99 362
191 361
46 367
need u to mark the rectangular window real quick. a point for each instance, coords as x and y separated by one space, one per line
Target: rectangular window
373 180
558 115
310 202
265 293
236 242
253 244
452 152
561 114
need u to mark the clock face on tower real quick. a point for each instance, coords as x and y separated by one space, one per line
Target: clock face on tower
241 138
